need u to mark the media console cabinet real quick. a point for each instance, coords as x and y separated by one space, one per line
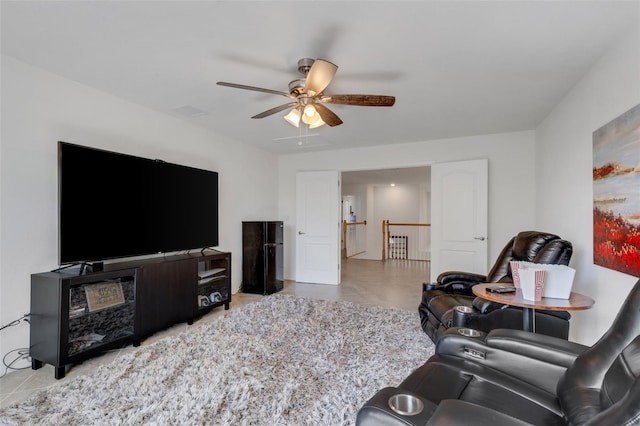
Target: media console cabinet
75 317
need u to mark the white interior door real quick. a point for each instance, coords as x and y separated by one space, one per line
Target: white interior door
318 227
459 215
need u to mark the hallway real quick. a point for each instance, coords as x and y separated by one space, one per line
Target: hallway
392 283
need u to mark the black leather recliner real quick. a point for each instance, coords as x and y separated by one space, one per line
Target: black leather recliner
511 377
453 289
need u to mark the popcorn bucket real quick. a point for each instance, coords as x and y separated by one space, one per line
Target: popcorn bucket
515 266
557 282
532 283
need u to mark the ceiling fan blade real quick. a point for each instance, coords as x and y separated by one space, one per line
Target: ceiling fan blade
328 116
275 110
319 76
359 100
255 89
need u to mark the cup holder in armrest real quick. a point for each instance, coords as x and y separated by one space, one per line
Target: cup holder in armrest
460 315
394 406
469 332
405 404
463 309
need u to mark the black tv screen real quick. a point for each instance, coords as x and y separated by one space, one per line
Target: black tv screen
115 205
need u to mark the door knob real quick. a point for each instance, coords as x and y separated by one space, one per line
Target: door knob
479 238
300 232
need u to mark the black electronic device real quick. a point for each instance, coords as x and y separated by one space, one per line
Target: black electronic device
501 289
114 205
94 267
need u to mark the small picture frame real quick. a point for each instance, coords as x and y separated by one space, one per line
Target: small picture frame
104 295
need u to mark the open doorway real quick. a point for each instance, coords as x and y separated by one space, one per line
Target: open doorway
399 195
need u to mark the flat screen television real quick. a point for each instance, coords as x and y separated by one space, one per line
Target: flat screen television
114 205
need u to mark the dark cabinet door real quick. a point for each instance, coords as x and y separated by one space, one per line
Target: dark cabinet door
47 307
273 280
274 232
74 317
167 291
262 257
253 254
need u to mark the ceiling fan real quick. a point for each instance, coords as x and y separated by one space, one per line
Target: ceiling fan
307 97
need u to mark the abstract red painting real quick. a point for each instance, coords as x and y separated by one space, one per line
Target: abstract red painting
616 194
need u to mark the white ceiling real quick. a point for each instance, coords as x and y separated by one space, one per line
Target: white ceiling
457 68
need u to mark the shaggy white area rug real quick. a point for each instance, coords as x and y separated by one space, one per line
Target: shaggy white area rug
281 361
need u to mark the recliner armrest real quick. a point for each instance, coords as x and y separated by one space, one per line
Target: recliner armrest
432 286
528 362
451 287
455 412
485 306
450 276
377 411
458 282
549 349
539 346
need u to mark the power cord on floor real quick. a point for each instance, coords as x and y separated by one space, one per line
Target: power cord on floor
20 353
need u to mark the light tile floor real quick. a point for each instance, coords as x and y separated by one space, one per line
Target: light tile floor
393 284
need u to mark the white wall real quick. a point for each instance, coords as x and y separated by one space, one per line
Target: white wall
39 109
397 204
511 178
564 190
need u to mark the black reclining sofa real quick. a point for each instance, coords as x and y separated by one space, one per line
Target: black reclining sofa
453 289
511 377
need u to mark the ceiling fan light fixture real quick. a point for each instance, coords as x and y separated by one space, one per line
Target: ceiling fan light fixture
310 115
293 117
317 123
309 111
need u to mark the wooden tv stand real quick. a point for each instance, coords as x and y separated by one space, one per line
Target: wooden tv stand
75 317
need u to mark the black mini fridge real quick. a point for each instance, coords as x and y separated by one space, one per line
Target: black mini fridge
262 257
